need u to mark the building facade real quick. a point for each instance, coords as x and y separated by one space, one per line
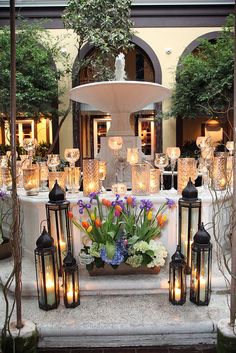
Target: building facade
164 32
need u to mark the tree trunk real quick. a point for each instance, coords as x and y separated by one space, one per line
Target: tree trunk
233 250
15 230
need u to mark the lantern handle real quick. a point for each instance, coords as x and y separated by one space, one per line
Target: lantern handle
41 225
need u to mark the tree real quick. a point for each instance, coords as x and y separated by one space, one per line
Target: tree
106 26
37 77
204 78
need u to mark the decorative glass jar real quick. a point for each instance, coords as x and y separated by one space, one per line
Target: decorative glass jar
187 168
91 181
140 179
219 171
31 178
154 180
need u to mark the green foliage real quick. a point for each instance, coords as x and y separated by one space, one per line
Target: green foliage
36 74
20 344
106 25
204 79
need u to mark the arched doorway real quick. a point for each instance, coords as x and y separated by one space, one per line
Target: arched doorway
141 65
187 130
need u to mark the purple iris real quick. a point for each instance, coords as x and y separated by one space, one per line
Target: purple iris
83 206
93 196
118 202
146 205
170 203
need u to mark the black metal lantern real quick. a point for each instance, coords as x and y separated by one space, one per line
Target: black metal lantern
189 220
46 272
71 281
58 222
177 278
200 283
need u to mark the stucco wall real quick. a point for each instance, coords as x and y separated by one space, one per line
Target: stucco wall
159 39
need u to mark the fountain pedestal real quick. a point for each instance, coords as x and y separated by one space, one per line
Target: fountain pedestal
115 163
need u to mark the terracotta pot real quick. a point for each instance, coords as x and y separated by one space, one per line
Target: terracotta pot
123 269
5 250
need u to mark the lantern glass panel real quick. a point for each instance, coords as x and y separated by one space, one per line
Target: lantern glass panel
71 288
177 289
47 279
58 225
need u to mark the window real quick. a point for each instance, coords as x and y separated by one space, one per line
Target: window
146 133
100 129
24 129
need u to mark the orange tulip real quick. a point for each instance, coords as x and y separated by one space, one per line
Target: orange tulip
85 224
98 223
129 200
106 202
118 208
161 219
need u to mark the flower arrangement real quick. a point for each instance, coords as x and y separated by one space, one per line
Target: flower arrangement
121 231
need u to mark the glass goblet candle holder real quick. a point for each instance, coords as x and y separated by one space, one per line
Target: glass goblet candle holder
132 155
161 161
102 174
230 147
72 155
73 177
53 162
173 153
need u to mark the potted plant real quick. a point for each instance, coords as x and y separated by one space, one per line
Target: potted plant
121 236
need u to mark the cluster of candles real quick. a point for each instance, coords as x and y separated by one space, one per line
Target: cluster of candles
54 256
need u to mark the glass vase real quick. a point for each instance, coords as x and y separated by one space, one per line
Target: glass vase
140 179
31 179
154 180
73 176
91 181
187 168
219 171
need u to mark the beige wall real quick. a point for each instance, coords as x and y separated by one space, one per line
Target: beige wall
159 39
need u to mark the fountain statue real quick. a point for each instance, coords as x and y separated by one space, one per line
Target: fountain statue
120 98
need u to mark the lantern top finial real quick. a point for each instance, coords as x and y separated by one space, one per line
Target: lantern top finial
178 257
69 260
45 240
190 191
56 194
202 236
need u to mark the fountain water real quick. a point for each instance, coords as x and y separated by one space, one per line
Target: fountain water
120 98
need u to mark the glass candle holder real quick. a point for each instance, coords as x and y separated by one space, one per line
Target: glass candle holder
31 179
230 147
119 189
115 143
173 153
102 174
53 162
90 176
154 180
43 176
187 168
161 161
140 179
230 166
72 155
132 155
219 171
59 176
73 177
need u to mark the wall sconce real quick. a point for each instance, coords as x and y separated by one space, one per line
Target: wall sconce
46 272
200 282
189 220
58 222
70 281
177 278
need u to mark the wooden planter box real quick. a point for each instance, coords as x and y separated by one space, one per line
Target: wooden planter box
5 250
123 269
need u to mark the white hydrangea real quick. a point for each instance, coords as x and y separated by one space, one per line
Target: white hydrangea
141 246
135 260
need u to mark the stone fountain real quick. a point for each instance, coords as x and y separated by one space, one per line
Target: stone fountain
120 98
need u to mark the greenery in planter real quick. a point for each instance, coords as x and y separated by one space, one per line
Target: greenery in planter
106 26
204 78
121 231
